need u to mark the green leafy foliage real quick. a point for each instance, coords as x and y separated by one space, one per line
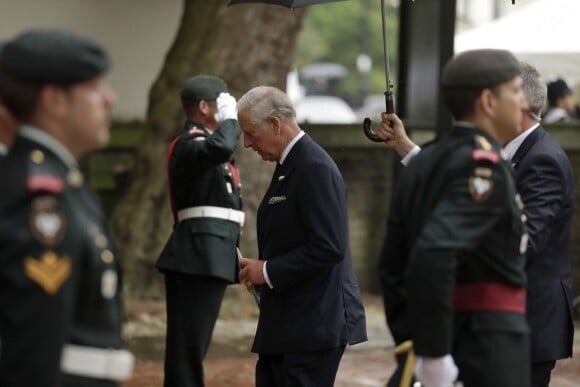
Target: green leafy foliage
338 32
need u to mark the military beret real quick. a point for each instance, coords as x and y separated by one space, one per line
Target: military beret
205 87
53 57
480 69
558 89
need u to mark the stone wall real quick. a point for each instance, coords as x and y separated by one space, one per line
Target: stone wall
368 169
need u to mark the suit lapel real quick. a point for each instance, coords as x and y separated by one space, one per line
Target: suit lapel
528 144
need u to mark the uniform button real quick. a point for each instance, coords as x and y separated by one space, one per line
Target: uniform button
524 218
101 241
75 178
37 156
107 256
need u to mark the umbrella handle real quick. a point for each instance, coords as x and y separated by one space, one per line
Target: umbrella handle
370 133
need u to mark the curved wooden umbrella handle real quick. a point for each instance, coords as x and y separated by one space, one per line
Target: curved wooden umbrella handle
371 135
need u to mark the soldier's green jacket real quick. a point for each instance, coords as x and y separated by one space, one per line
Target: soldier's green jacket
201 173
59 277
456 219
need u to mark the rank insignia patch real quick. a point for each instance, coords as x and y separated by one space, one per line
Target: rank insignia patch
47 223
49 272
480 188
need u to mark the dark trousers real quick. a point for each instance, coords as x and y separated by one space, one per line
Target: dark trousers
193 304
541 373
312 369
77 381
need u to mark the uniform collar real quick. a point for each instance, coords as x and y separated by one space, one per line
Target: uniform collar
41 137
512 147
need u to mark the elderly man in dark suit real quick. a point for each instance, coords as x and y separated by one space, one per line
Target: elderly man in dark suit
545 182
310 300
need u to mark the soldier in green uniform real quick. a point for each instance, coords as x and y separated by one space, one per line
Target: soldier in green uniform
200 259
60 316
452 265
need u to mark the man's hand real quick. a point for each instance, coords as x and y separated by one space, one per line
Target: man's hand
227 108
393 132
251 273
436 371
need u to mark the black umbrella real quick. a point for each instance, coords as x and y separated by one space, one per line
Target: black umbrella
388 94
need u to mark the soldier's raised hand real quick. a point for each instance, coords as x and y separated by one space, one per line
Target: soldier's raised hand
227 108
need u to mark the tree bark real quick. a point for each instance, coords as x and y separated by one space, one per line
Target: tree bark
247 46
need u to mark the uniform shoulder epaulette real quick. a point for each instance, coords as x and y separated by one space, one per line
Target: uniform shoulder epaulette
484 151
44 183
485 155
195 131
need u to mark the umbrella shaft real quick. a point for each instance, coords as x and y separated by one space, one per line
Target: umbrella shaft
385 44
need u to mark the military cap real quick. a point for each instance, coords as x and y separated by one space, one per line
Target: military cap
205 87
53 57
558 89
480 69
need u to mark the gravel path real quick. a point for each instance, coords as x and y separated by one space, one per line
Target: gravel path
230 362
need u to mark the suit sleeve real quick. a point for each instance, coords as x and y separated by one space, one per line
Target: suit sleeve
323 214
542 185
458 222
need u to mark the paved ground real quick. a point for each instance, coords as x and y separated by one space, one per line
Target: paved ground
230 363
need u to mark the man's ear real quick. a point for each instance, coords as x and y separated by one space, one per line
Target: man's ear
54 99
203 106
275 124
488 101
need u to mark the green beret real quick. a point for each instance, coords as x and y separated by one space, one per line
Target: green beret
480 69
205 87
53 57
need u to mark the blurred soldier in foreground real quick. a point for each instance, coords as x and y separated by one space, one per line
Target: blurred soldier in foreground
200 258
8 127
452 265
60 316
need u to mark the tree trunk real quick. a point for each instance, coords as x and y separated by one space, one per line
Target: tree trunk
246 45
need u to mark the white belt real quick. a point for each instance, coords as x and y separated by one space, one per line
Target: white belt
98 363
211 212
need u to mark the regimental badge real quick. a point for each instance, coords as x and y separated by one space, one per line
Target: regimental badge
480 188
49 272
109 284
47 223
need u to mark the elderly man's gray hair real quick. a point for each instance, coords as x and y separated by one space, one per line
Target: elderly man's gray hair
534 89
267 101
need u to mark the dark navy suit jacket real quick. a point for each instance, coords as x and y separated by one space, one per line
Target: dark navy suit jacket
546 184
302 228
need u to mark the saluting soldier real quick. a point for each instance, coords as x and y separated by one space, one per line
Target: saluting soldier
452 266
200 259
60 316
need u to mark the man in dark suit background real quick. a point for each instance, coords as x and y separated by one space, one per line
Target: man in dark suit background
545 182
200 259
310 304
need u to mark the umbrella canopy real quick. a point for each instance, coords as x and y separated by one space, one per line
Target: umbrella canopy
388 93
285 3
